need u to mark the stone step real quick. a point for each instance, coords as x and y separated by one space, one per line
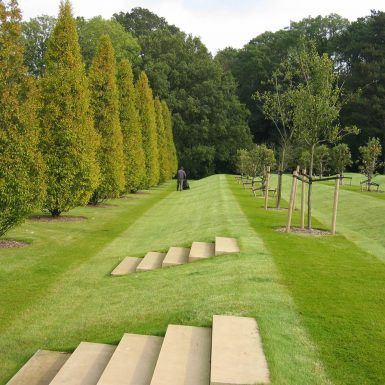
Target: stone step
133 362
225 245
127 266
237 356
85 366
176 256
41 368
201 250
152 260
184 357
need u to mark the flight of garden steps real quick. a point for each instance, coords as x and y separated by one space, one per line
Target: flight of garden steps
177 256
229 353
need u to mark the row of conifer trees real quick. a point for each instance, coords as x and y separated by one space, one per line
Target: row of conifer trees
70 139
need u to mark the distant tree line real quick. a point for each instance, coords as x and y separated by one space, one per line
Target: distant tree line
67 137
358 52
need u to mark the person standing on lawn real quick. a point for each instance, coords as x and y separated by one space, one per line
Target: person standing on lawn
181 176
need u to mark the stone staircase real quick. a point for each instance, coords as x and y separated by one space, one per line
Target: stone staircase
229 353
177 256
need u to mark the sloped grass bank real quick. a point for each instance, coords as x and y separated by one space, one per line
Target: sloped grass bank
338 288
85 303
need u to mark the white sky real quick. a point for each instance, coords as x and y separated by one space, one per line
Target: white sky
219 23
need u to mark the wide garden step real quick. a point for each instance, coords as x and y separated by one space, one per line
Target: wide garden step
133 362
127 266
176 256
152 260
237 356
225 245
85 366
201 250
184 357
41 368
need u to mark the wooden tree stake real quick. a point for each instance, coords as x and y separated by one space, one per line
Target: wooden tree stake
292 201
335 205
303 192
267 186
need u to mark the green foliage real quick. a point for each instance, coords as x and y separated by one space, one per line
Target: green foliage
69 141
201 96
258 159
321 159
131 129
163 148
35 33
90 31
105 106
141 21
145 103
316 100
370 158
171 150
340 158
242 161
22 184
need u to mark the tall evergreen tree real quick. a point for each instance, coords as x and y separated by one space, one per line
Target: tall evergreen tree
164 158
171 150
135 166
145 103
21 166
69 140
105 105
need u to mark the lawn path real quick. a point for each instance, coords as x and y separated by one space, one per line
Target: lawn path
87 304
361 218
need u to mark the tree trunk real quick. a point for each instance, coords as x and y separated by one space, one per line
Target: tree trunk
55 212
280 175
310 188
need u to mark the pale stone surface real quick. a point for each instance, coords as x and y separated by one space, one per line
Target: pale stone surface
201 250
237 356
127 266
225 245
133 362
86 365
152 260
185 357
176 256
41 368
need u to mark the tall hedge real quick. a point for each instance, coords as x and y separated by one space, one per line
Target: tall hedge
21 166
145 103
135 167
173 159
69 140
163 150
105 106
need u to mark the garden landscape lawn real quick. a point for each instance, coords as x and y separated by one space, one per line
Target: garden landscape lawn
318 300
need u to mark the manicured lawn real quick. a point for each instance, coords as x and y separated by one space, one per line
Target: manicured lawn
66 294
338 288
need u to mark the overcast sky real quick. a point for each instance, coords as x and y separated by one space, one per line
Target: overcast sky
219 23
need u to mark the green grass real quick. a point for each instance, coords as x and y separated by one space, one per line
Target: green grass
318 301
82 302
338 289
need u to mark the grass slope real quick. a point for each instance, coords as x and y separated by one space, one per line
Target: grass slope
82 302
339 288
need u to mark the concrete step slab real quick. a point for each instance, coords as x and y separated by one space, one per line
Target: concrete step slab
237 356
152 260
127 266
40 369
85 366
201 250
176 256
133 362
224 245
184 357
